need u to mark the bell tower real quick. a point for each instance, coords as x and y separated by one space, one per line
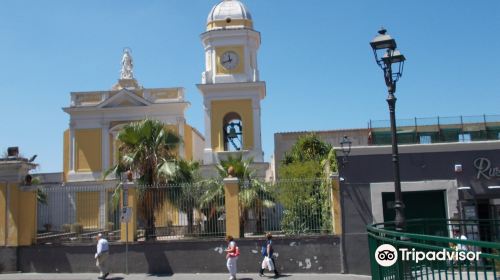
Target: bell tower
230 84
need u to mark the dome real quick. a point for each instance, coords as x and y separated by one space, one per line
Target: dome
229 14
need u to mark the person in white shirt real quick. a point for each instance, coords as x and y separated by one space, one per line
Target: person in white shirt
102 256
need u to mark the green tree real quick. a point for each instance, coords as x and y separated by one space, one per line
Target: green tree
304 185
187 196
148 149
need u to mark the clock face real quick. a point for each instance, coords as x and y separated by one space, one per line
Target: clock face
229 60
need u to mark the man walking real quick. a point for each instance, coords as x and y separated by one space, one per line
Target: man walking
102 256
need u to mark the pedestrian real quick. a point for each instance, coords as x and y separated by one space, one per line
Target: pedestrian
102 256
232 253
268 254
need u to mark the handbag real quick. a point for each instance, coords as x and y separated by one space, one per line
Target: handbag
268 262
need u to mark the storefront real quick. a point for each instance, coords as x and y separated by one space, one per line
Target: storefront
445 180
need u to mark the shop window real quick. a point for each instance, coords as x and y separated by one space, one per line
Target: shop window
464 137
233 132
425 139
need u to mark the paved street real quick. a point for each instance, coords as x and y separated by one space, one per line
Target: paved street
92 276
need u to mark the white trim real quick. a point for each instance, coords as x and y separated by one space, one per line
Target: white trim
429 148
126 95
79 176
449 186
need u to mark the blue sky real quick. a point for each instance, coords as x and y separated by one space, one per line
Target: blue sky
315 58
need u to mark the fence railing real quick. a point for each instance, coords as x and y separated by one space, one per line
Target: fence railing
288 207
76 213
181 211
427 238
191 210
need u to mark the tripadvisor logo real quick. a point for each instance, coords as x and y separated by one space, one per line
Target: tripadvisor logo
386 255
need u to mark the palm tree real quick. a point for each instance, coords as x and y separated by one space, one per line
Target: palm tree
187 177
148 149
254 194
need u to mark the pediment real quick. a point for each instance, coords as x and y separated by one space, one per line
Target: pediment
124 98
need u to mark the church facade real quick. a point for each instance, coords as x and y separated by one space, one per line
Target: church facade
231 90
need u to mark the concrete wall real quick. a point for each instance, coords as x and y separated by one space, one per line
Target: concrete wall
356 214
8 259
311 255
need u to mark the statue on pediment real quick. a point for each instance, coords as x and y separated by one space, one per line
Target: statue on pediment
126 72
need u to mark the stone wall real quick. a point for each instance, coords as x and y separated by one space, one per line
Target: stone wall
294 255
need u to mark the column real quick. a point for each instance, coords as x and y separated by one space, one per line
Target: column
180 127
72 166
207 152
105 146
259 157
231 190
18 205
336 207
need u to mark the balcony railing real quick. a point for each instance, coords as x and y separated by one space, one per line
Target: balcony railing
424 238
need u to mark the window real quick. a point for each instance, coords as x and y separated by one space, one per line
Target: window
425 139
233 132
498 136
464 137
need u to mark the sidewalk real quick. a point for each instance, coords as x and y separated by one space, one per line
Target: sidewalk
215 276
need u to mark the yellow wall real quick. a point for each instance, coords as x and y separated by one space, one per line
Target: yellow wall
219 51
234 22
222 107
188 142
27 217
20 225
3 201
88 150
167 214
13 215
65 154
87 209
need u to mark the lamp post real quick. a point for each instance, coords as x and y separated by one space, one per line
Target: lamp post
345 146
391 61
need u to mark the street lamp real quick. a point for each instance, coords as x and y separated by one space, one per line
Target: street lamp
391 61
345 146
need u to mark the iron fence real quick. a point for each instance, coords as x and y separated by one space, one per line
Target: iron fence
288 207
181 211
191 210
430 237
75 213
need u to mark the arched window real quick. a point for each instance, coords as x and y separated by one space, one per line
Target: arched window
233 132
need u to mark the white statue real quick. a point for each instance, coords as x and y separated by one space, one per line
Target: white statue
127 65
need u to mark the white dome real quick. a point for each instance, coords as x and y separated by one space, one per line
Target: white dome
229 9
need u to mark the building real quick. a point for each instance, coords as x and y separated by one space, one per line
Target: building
448 171
231 86
90 143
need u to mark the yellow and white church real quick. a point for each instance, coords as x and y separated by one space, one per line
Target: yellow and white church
232 93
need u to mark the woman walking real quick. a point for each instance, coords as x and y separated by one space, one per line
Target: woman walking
232 253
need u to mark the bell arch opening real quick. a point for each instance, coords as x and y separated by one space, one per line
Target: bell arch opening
233 132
